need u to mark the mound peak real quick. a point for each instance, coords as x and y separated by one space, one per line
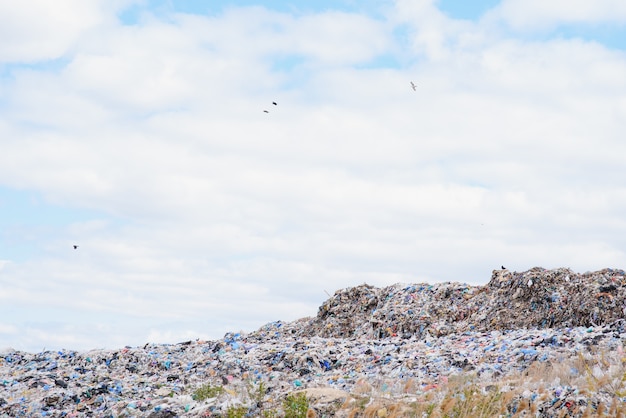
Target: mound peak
536 298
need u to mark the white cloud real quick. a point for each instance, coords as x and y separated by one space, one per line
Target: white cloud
430 32
537 14
8 329
35 30
354 39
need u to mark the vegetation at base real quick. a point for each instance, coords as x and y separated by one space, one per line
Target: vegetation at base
588 384
236 412
206 392
296 405
529 394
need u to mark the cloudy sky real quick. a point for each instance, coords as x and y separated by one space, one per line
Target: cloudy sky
136 130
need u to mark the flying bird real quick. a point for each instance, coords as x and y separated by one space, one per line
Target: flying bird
414 86
503 268
75 246
265 111
275 104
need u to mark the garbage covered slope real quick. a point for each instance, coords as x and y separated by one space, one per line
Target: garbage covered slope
537 298
256 373
422 334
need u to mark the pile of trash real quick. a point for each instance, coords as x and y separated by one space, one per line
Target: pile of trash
402 342
537 298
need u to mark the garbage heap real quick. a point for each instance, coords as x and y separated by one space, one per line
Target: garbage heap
553 341
537 298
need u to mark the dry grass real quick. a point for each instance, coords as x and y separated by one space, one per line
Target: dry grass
585 385
588 384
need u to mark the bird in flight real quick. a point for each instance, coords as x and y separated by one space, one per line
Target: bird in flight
267 111
75 246
413 86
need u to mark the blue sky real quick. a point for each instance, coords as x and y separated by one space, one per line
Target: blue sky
136 130
470 10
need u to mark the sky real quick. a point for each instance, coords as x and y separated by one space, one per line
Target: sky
137 130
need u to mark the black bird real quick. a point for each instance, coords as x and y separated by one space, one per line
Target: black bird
275 104
503 268
414 86
265 111
75 246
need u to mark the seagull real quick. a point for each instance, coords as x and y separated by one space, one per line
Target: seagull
75 246
414 86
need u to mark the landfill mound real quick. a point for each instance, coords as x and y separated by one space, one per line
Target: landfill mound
537 298
366 344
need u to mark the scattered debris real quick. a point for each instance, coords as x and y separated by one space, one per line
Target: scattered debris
400 342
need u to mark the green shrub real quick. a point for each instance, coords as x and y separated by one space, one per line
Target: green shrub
296 405
236 412
207 391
